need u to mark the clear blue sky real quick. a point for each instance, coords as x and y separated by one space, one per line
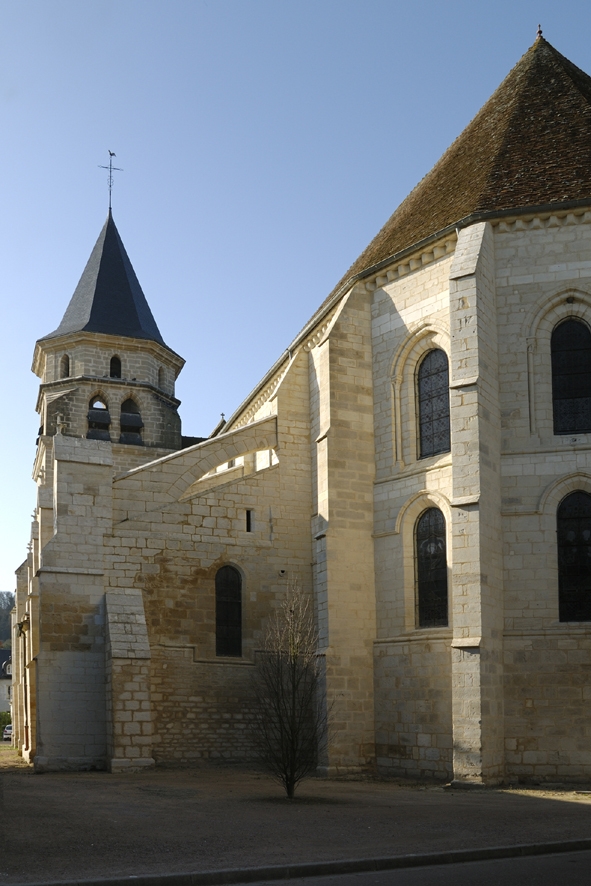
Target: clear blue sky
263 142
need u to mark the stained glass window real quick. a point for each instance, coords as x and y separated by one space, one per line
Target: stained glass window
228 612
571 377
433 397
431 569
574 557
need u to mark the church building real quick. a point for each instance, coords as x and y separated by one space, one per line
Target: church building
418 460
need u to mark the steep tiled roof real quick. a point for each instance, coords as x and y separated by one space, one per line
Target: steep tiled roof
530 145
109 298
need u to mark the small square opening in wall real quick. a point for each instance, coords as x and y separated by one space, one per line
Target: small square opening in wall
249 521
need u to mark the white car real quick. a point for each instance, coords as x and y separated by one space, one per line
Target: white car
7 734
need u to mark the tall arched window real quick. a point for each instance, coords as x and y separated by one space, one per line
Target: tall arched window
574 557
228 612
431 569
65 367
115 367
433 404
160 377
571 377
98 420
131 423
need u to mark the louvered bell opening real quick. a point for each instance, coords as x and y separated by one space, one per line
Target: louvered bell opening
98 425
132 439
131 422
99 418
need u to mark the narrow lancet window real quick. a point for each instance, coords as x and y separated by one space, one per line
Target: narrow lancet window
228 612
115 367
431 563
161 378
99 420
131 423
65 367
433 404
574 557
571 377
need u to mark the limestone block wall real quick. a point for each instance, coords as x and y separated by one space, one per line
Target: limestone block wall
70 662
66 403
413 705
23 721
543 276
172 533
129 725
477 696
410 316
90 355
343 460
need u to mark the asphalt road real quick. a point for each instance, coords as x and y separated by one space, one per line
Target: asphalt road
572 869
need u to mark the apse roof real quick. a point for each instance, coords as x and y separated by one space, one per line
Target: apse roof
529 146
109 298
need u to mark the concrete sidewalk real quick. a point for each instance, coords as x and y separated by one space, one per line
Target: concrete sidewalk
90 826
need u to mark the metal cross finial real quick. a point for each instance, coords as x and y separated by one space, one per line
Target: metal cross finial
539 34
111 169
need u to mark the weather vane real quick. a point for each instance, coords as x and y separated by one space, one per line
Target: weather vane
111 169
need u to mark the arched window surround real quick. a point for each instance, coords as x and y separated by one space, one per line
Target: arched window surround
65 366
534 604
229 611
543 318
573 531
404 530
433 404
131 423
431 570
422 338
98 418
570 351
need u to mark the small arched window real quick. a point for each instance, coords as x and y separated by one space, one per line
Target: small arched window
431 561
571 377
65 367
160 377
433 404
99 420
574 557
131 423
228 612
115 367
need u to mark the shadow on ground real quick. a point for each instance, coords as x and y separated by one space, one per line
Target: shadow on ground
62 826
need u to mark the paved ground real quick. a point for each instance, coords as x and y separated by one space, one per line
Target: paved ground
88 825
547 870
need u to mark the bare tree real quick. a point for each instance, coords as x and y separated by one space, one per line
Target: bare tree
290 719
6 604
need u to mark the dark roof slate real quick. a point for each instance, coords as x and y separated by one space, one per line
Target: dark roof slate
529 145
109 298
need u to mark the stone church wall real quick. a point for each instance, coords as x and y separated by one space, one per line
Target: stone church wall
170 538
543 277
412 666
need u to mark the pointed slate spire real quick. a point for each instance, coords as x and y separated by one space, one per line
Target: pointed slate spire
109 298
528 146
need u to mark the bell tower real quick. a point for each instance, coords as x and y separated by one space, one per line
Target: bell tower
106 372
